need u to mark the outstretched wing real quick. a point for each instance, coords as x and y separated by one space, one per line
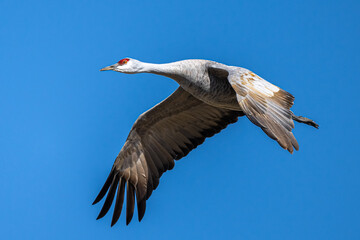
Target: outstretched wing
168 131
267 106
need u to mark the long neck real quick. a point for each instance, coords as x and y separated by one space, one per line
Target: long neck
167 69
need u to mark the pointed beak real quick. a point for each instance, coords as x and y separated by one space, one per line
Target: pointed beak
108 68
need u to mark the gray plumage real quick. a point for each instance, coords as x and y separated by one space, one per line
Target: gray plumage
210 96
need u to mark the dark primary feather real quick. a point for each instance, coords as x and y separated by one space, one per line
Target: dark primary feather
110 197
119 201
130 203
166 132
105 187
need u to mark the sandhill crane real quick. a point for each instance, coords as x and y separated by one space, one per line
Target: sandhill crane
211 95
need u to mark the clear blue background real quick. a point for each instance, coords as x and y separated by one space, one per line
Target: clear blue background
62 122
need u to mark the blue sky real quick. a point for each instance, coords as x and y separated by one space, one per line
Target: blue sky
62 122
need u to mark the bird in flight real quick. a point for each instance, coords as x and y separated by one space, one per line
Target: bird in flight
211 95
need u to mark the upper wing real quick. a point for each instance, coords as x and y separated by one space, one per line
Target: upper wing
267 106
168 131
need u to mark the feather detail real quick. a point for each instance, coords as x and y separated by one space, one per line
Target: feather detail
267 106
161 135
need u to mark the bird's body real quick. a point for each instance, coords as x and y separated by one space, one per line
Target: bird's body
211 96
192 75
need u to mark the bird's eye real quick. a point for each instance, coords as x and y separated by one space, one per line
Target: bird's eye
123 61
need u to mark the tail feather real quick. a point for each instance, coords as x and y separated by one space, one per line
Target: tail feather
305 120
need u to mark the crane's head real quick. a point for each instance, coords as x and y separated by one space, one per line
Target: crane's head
126 65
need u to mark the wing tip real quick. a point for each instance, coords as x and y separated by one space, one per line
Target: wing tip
141 209
105 187
113 223
130 202
109 198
